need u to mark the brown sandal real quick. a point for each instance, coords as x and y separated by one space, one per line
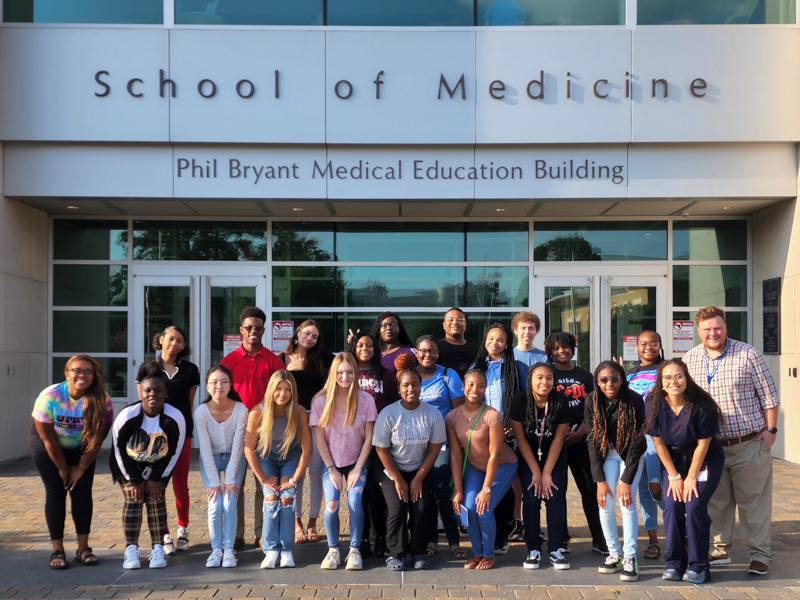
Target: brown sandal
485 564
312 535
458 552
473 562
300 535
652 552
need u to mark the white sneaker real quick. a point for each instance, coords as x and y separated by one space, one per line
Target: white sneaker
215 558
270 559
229 559
287 559
169 545
182 545
332 560
132 558
354 562
157 558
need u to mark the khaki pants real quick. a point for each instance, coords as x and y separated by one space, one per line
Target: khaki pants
258 508
747 483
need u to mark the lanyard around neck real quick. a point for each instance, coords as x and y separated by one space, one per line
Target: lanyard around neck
710 376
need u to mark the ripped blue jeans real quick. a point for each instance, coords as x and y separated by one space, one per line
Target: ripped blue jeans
277 532
354 503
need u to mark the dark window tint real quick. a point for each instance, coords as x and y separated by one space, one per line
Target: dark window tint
249 12
90 285
83 11
709 240
600 240
90 240
199 240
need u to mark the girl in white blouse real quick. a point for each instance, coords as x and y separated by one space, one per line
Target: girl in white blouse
220 423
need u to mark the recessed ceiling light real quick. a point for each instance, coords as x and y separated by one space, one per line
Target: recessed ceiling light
499 210
726 207
298 209
72 207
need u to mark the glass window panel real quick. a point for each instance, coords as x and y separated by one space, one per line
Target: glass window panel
497 286
83 11
600 240
400 12
633 310
388 242
568 308
546 12
249 12
199 240
90 240
302 241
115 370
100 331
737 325
226 306
90 285
709 240
306 286
712 285
714 12
497 242
403 286
164 306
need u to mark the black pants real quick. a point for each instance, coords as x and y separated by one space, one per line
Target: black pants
55 496
556 504
504 518
404 517
374 503
578 461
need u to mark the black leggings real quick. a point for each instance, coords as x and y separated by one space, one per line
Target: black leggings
55 498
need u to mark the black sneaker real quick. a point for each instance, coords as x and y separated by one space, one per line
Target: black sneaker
612 565
600 548
558 560
366 551
533 560
565 547
501 549
630 570
518 533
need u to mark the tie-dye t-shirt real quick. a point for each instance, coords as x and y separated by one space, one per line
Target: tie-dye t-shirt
642 379
55 405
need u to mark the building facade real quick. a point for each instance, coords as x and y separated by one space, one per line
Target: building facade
612 166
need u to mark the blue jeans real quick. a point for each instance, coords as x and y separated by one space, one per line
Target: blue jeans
482 528
277 532
222 511
354 503
651 473
443 496
613 468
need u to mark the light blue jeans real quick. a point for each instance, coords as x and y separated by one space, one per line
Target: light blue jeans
354 503
277 533
482 528
651 473
222 511
613 468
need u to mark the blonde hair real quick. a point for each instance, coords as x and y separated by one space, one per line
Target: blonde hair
330 391
268 416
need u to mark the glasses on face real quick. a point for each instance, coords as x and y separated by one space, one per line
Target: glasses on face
392 325
454 320
426 351
256 328
219 383
605 380
670 378
82 371
651 344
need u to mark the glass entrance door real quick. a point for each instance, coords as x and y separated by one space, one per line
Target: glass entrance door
604 312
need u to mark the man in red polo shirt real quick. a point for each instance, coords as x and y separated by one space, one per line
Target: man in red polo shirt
251 365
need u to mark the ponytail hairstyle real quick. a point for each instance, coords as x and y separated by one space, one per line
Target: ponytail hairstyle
232 393
530 412
268 416
660 343
313 354
508 369
94 404
375 363
153 370
402 335
406 363
157 340
330 391
626 421
695 397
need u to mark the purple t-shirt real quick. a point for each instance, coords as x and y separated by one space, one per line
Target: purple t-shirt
387 360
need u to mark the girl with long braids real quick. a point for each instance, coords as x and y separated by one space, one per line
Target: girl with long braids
614 417
70 421
641 379
684 422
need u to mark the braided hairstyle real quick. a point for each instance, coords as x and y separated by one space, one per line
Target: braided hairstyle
626 421
530 412
508 369
695 396
402 335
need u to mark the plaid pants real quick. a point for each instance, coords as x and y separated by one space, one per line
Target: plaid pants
132 516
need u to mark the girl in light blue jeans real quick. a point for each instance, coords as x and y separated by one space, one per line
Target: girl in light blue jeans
219 429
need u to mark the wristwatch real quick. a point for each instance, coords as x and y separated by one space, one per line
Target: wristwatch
486 490
772 430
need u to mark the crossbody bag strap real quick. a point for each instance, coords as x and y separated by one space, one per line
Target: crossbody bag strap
469 439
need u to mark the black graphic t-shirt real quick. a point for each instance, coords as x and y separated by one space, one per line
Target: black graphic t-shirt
575 384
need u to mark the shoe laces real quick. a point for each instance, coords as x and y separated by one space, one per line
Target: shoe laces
612 560
628 562
131 552
535 554
557 554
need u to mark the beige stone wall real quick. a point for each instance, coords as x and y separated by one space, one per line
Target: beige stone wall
23 318
776 253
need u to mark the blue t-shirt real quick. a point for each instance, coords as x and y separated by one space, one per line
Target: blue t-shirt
439 393
525 360
642 379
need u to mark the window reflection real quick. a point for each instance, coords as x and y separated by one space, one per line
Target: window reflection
249 12
546 12
715 12
90 331
400 12
90 285
86 240
709 285
199 240
83 11
709 240
387 242
598 240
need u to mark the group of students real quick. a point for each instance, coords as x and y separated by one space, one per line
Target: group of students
479 435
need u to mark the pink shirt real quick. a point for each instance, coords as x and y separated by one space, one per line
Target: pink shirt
345 443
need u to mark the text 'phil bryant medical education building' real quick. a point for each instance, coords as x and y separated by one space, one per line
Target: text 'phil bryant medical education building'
612 166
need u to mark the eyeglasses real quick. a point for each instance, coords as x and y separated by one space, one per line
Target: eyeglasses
676 378
651 344
392 325
82 371
605 380
426 351
256 328
220 383
454 320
